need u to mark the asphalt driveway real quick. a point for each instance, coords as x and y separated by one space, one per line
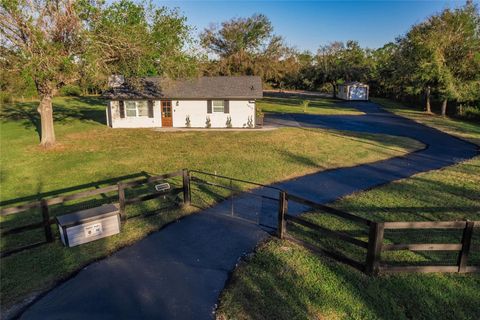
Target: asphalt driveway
179 272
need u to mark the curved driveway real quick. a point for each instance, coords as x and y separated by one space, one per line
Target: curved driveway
179 272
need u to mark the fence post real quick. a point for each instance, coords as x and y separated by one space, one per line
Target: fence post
121 200
186 187
282 211
375 242
46 220
466 240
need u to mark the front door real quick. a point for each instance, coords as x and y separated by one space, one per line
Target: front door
167 113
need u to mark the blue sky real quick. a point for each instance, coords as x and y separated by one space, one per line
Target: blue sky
309 24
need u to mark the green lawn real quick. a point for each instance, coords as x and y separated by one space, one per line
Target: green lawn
468 130
285 281
325 106
89 152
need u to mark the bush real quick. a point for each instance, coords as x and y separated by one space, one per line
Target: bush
468 112
305 105
71 90
326 88
5 97
208 123
229 122
250 123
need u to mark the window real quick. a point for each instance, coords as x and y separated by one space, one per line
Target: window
142 108
131 108
218 105
136 108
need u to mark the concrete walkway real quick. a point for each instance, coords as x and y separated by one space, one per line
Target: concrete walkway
179 272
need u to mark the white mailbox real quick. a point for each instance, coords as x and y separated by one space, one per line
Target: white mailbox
89 225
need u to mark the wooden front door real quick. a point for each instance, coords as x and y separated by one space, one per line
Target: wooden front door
167 113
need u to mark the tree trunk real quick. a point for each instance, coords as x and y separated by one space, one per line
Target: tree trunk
334 90
444 107
427 98
46 119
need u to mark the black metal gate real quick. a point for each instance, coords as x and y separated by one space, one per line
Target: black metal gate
254 202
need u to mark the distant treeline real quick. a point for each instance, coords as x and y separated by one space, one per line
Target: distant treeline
436 64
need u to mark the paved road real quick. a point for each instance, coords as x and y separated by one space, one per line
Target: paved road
179 272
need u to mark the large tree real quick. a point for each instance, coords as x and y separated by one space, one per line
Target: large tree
59 42
443 54
245 46
383 76
329 68
337 62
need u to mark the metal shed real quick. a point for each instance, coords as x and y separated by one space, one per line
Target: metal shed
353 91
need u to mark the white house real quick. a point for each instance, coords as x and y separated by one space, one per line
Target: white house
353 91
218 102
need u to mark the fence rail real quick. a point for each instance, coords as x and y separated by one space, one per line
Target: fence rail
372 248
376 233
463 247
44 205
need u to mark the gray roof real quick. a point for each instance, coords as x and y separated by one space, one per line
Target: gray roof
234 87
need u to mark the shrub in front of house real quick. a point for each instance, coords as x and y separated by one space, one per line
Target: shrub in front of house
208 123
250 123
229 122
188 123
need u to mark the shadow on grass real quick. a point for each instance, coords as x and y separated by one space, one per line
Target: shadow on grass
297 158
64 109
25 228
283 281
59 263
96 184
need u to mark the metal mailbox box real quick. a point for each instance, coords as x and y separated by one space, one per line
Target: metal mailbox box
89 225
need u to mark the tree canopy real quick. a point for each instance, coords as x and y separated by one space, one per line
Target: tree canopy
56 43
245 46
49 44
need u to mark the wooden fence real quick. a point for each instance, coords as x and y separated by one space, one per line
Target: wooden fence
463 248
372 263
45 204
373 247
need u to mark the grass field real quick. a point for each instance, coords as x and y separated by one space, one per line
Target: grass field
285 281
468 130
325 106
89 153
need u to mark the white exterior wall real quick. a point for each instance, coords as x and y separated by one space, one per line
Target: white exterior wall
240 110
134 122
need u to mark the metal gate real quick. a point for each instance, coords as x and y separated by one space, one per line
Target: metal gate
250 201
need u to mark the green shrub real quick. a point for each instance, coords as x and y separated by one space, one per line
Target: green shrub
208 123
71 90
469 112
305 105
5 97
250 123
